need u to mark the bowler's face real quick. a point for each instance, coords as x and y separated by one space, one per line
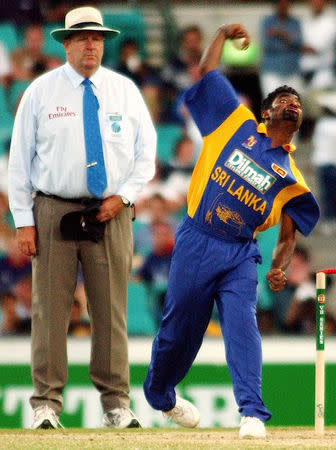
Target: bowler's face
287 107
84 51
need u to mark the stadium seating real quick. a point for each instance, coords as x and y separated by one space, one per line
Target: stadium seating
131 26
14 93
6 122
52 47
167 136
266 241
139 317
8 36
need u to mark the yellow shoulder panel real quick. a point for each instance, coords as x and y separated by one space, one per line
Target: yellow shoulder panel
213 144
286 194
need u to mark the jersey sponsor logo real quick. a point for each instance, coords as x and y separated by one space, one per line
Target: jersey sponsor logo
247 169
277 169
234 188
249 142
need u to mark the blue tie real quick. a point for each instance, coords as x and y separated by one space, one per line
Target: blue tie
96 175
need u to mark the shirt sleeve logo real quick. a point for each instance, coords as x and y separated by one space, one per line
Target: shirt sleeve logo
277 169
249 142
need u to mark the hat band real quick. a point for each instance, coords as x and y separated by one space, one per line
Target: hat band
85 24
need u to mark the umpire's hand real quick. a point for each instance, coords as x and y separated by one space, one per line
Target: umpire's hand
26 239
110 208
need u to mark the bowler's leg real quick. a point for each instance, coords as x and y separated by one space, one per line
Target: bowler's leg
237 312
187 310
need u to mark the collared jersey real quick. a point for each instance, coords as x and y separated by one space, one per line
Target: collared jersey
240 185
48 149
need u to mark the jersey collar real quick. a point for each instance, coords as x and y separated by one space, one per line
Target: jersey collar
288 147
76 79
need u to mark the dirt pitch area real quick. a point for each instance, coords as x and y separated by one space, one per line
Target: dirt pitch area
160 439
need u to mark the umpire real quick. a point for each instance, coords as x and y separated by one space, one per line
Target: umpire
83 146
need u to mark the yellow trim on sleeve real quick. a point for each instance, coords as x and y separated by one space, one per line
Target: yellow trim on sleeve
286 194
213 144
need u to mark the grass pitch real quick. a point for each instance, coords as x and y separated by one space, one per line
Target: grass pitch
161 439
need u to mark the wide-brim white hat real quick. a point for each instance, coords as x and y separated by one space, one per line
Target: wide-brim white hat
85 18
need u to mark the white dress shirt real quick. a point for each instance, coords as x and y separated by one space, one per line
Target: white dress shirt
47 151
319 32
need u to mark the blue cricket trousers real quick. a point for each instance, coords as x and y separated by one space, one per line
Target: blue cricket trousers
205 269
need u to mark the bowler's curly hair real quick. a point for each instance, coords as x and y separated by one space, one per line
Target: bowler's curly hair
267 102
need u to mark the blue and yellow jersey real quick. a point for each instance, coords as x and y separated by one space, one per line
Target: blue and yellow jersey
240 185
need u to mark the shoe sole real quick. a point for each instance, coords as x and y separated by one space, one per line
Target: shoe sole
46 425
134 424
250 436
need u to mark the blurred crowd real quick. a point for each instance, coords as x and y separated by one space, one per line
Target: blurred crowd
298 51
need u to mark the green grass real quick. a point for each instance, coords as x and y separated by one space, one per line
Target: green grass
161 439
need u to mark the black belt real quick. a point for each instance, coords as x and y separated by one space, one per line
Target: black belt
84 201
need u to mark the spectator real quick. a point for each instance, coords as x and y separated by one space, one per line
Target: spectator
177 71
171 180
293 310
23 293
6 220
10 323
155 211
25 12
179 170
319 32
29 61
281 40
181 70
56 9
155 269
190 129
155 186
133 66
183 157
5 65
13 267
324 160
6 230
318 60
146 77
78 326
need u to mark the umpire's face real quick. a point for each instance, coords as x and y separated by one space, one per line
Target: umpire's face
84 51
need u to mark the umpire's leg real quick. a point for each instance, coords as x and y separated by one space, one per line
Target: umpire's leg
54 281
106 269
